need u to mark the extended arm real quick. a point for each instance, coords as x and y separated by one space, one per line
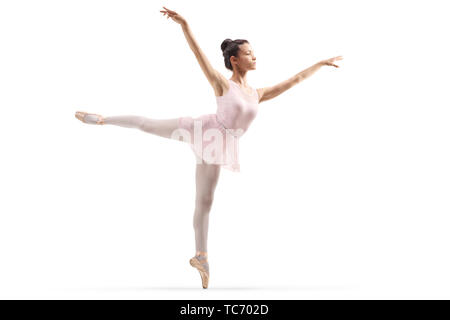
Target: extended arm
211 74
271 92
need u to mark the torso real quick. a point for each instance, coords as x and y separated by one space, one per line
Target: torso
236 108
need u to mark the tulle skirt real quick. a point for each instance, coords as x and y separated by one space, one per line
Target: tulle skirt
210 141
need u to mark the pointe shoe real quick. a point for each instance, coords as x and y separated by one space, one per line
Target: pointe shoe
81 114
196 263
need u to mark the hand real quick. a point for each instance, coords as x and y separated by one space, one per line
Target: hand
175 16
329 62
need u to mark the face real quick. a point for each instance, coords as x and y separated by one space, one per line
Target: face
246 59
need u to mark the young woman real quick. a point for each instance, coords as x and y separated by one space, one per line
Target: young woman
213 137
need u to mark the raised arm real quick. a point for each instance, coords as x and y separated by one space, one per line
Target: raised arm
213 76
268 93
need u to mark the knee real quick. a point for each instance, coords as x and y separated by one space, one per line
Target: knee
145 124
205 201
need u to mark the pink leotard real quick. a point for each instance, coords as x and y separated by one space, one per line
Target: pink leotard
236 110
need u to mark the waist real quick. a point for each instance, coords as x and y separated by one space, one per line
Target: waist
228 130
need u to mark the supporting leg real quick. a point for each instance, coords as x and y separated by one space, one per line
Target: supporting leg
206 176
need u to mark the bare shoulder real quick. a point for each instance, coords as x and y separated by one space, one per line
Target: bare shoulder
222 85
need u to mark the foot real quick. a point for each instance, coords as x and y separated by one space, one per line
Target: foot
90 118
201 263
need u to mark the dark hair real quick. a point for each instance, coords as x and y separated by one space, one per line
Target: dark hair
231 48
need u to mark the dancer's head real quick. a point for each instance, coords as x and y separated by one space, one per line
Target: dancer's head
238 55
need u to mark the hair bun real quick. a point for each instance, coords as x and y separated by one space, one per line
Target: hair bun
225 43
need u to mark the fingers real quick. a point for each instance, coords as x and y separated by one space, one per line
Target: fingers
170 11
329 62
166 9
336 58
168 14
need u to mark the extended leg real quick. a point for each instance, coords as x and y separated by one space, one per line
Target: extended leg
161 127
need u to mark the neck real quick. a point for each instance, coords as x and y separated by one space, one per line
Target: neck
240 78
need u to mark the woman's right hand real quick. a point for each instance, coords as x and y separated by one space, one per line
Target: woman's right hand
175 16
329 62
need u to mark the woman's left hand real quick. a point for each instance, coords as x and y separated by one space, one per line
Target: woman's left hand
329 62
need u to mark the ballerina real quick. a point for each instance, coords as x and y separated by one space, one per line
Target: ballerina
214 138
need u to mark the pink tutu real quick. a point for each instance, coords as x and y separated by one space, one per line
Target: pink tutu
210 141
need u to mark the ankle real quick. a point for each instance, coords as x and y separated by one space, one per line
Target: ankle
201 257
201 253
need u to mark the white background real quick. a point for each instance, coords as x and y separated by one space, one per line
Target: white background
344 185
